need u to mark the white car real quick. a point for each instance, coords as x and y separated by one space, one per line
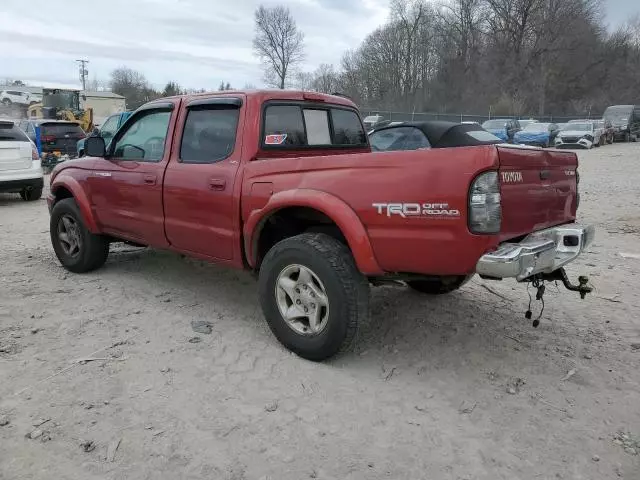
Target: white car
9 97
20 169
578 135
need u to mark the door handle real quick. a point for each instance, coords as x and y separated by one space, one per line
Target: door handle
149 179
217 183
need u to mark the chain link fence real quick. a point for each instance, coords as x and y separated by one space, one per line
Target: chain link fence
463 117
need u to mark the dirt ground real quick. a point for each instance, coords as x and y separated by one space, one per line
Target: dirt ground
455 387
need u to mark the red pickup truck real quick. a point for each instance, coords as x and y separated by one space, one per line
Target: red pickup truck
284 183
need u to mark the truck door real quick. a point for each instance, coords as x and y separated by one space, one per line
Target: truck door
126 187
201 210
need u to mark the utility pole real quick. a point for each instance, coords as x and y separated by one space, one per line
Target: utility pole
83 72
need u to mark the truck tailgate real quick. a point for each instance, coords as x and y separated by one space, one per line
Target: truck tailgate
538 189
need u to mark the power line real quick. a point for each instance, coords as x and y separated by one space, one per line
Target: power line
83 72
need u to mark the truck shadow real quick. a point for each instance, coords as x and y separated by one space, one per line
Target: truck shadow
406 329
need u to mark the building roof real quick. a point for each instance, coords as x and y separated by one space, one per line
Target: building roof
104 94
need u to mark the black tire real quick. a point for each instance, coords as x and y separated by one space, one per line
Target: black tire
31 194
627 137
439 286
347 291
7 102
81 154
93 250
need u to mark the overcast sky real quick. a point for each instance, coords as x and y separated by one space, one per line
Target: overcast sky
197 43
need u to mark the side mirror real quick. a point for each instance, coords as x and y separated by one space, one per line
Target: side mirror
95 147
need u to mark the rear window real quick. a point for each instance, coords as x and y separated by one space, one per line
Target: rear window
9 132
295 126
61 129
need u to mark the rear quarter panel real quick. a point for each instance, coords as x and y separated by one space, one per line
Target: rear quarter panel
421 244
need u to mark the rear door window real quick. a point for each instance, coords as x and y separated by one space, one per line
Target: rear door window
291 126
209 134
9 132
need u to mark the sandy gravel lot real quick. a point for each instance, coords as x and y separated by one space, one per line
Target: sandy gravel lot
456 387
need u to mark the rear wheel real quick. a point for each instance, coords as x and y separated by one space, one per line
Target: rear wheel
30 194
78 249
312 295
6 102
627 137
440 285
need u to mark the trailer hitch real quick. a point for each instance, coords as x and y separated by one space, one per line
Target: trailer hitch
537 281
560 274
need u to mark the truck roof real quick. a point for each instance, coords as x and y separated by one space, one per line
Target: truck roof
265 95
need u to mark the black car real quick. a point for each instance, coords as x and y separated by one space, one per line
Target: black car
430 134
625 120
57 138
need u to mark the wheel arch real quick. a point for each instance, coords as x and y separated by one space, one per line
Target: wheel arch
322 208
65 186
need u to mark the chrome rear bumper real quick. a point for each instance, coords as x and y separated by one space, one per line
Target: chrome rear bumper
540 252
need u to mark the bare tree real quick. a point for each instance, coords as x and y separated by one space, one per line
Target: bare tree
133 86
278 43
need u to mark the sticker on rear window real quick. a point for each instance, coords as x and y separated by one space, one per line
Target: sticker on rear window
275 139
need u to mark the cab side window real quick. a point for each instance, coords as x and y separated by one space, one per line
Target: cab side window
145 138
109 128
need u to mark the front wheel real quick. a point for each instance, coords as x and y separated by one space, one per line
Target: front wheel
312 295
78 249
6 102
439 286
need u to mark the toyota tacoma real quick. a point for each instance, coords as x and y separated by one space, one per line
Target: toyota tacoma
285 184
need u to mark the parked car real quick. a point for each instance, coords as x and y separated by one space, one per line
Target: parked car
625 120
371 120
429 134
20 170
537 134
58 139
603 133
525 122
9 97
284 183
107 130
610 131
503 128
383 123
578 135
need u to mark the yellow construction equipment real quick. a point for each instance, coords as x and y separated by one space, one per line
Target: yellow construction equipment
62 104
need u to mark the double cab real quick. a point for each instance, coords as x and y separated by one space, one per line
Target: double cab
285 184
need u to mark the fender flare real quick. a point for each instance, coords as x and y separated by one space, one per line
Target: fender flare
333 207
79 195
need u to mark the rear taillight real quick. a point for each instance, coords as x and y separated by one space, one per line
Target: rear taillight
485 209
34 153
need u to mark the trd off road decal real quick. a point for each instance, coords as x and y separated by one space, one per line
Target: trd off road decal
275 139
422 210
